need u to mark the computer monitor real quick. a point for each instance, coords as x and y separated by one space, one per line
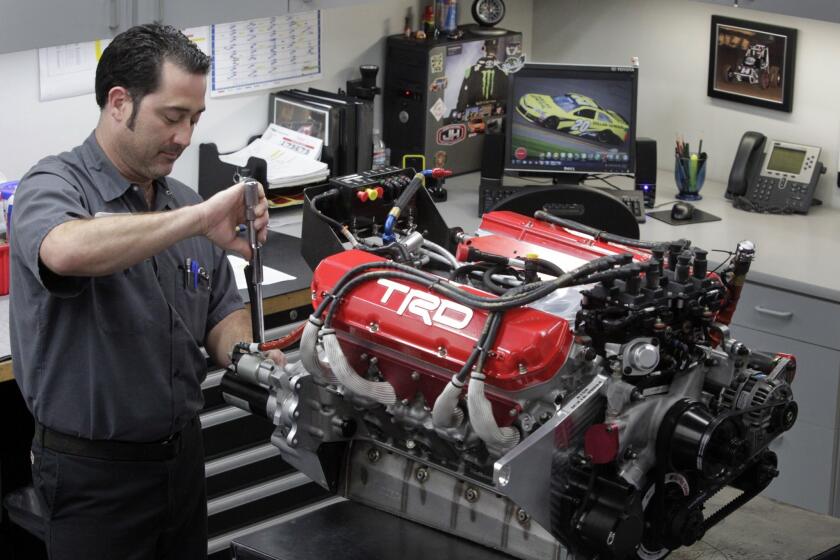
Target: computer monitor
571 120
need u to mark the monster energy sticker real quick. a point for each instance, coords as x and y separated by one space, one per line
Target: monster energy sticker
487 79
436 63
438 109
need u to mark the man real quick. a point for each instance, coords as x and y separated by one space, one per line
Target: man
118 279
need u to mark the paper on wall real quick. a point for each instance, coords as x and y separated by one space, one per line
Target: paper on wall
70 70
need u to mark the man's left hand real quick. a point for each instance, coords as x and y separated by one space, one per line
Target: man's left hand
277 357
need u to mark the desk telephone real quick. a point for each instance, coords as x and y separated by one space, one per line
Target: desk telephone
781 180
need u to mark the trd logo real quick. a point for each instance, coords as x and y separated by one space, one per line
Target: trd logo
451 134
427 306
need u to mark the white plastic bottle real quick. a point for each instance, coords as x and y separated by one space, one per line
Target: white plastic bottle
381 153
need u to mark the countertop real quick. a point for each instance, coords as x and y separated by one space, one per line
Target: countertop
793 252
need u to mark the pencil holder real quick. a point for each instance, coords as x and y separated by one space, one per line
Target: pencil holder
689 174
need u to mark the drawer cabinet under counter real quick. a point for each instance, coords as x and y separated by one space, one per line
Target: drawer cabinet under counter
770 319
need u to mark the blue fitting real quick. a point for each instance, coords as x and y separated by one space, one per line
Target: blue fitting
388 231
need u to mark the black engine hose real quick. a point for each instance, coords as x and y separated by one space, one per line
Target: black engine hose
522 295
390 248
462 375
490 284
409 192
543 265
518 297
599 234
495 323
462 273
313 205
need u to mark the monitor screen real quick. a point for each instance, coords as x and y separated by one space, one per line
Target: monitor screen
571 119
786 160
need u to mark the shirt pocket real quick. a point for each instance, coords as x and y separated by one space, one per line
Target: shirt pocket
190 299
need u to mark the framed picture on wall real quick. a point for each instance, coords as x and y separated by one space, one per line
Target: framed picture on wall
752 63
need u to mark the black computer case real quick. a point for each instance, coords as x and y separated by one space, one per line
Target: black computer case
442 95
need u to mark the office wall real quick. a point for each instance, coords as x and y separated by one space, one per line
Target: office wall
671 38
30 129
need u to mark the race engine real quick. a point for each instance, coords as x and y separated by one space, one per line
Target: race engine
545 389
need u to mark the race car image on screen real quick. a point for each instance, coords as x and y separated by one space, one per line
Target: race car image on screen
574 114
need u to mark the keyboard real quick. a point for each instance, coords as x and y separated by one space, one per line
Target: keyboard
634 200
490 195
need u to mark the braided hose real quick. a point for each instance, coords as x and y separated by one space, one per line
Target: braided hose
482 420
445 412
432 246
309 352
379 391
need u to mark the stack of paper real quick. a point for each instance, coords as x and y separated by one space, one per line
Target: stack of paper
291 157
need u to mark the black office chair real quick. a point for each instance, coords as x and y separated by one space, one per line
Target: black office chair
582 204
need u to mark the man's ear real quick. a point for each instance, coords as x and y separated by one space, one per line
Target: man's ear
120 104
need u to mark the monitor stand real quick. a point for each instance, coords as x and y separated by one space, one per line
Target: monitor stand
492 191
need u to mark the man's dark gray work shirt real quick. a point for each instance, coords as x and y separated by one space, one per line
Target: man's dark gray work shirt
118 356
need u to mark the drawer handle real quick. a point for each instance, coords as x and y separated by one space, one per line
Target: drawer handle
774 313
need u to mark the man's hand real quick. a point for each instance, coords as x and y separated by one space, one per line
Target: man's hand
277 357
224 211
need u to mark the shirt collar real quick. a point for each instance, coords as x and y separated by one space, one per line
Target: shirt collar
113 185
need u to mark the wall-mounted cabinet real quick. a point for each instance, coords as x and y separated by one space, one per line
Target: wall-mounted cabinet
46 23
308 5
192 13
828 10
34 24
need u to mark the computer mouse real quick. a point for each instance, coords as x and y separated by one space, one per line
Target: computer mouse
682 211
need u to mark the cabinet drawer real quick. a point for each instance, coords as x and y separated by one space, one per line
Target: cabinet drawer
806 467
790 315
817 382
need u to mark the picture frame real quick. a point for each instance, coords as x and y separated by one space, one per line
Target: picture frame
752 63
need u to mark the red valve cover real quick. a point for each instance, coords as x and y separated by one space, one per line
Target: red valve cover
408 319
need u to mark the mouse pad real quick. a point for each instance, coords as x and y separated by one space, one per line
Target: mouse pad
698 218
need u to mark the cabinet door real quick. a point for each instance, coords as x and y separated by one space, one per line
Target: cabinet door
817 381
806 453
308 5
816 9
185 13
33 24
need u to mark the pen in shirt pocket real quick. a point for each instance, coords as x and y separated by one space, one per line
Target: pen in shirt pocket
194 268
187 272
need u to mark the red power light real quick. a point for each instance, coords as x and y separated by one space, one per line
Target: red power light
362 196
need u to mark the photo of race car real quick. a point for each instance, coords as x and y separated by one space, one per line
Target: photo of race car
574 114
754 68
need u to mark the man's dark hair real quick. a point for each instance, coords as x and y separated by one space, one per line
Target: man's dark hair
134 60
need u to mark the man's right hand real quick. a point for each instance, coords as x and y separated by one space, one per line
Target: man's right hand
222 213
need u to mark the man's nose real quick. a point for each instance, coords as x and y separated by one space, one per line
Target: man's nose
183 134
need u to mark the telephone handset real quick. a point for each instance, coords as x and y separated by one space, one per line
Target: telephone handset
781 180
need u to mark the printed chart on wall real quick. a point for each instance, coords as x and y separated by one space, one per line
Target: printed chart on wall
70 70
265 53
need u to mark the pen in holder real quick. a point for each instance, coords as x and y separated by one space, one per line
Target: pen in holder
690 173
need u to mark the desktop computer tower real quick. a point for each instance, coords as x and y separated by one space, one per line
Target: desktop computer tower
646 169
442 95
